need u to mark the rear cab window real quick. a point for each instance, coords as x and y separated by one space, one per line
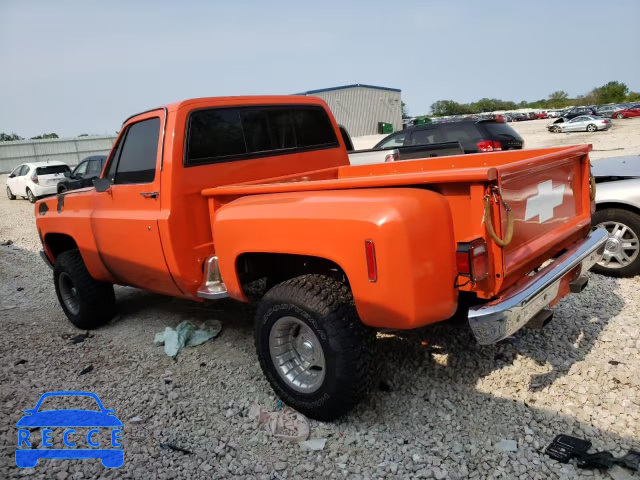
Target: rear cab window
225 134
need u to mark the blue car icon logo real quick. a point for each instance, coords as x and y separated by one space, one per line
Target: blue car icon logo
70 419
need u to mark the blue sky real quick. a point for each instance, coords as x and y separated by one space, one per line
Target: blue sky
83 67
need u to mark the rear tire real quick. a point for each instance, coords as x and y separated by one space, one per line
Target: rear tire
591 128
618 260
313 321
62 188
87 302
32 198
10 195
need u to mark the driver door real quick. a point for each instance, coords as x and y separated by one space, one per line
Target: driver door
125 217
574 124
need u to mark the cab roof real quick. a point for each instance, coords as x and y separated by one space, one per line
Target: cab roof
237 101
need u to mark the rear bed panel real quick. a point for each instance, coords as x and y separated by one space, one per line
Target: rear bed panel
548 205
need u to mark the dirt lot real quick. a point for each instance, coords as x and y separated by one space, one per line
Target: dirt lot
445 407
621 139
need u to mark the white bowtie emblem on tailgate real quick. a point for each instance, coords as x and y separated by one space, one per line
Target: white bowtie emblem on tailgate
542 204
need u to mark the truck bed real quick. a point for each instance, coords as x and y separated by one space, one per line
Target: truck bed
522 177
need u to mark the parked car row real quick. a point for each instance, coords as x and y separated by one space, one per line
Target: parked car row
40 179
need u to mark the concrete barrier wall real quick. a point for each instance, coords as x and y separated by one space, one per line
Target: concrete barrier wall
69 151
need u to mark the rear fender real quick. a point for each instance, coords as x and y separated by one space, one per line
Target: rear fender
411 228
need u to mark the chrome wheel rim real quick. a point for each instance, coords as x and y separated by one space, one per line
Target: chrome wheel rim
591 128
8 192
69 293
297 354
622 246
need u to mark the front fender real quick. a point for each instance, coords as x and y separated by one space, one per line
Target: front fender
412 230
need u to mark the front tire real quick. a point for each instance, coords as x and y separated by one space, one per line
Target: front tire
622 250
619 115
87 302
10 194
591 128
314 350
555 129
32 198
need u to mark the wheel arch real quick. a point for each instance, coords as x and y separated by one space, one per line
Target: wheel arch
57 243
620 205
279 267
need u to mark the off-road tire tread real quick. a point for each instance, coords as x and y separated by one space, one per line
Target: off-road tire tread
353 343
97 302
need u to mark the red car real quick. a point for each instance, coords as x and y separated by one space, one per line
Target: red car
628 112
540 115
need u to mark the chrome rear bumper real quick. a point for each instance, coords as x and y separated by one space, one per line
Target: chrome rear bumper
504 316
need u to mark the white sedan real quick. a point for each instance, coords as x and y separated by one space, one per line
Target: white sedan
35 180
583 123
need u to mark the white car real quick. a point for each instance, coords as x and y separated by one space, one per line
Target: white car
35 180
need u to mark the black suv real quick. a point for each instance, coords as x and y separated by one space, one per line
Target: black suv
578 111
82 176
475 136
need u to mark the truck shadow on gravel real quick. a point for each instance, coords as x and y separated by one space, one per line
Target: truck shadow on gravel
578 322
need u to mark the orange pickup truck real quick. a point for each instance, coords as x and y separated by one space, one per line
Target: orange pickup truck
207 198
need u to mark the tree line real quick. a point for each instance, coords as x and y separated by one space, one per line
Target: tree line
612 92
8 137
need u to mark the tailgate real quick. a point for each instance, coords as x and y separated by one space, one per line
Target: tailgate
550 200
49 180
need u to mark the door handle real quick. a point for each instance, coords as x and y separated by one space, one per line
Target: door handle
150 194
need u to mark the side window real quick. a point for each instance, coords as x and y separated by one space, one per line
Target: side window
395 141
93 169
460 132
425 136
137 162
16 172
110 174
24 170
81 169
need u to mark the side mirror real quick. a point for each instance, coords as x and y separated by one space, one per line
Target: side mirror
101 184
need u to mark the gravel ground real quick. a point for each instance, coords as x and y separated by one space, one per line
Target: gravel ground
445 407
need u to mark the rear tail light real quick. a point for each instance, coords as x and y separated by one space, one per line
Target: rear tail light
489 146
372 267
391 157
34 178
605 121
472 260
